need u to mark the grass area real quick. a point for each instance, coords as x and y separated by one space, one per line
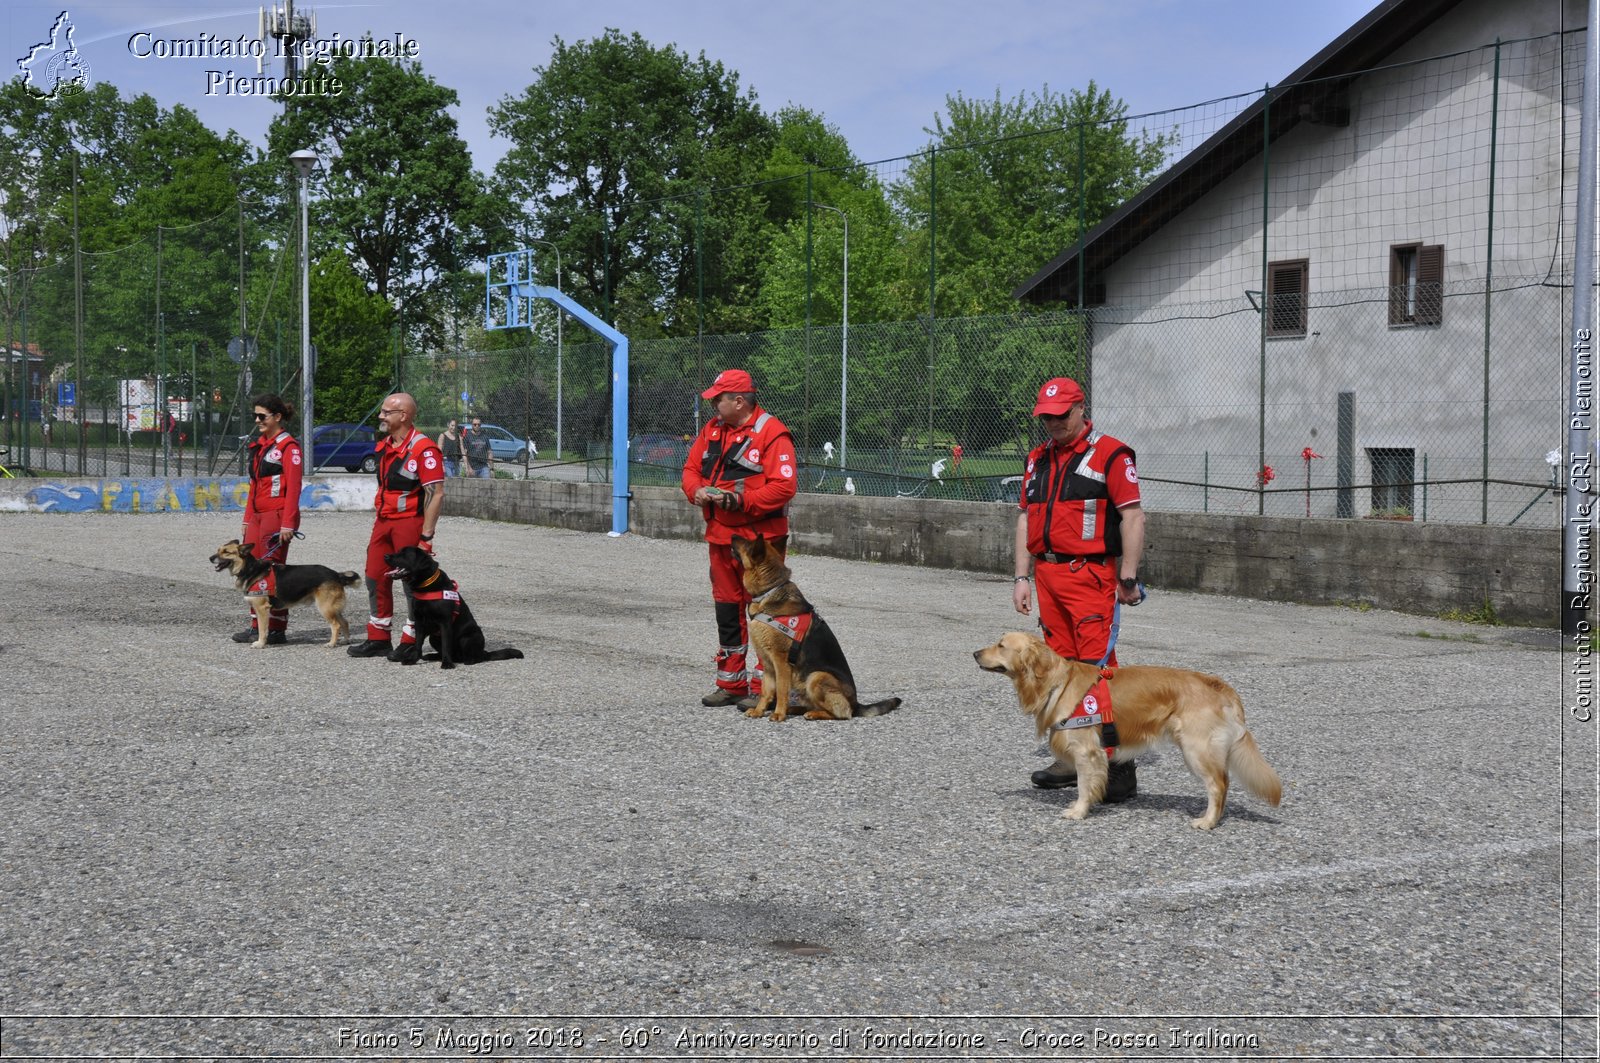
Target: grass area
1483 614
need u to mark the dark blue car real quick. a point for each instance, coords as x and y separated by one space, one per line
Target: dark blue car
351 447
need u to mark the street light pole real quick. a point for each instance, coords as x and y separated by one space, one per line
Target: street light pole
304 160
557 250
844 353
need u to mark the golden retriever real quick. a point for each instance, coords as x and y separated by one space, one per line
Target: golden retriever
1198 713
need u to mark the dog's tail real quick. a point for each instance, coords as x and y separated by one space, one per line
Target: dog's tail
510 653
878 708
1246 764
349 579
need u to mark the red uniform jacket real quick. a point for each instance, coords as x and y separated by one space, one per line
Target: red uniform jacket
403 470
757 462
275 471
1072 495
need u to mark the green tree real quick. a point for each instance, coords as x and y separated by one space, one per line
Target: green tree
631 158
351 327
399 195
1001 179
151 197
811 159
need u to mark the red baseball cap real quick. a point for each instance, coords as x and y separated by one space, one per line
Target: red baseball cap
1057 396
736 380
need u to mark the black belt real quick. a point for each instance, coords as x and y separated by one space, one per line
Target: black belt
1053 558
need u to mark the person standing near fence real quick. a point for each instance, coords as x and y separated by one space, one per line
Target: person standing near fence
475 444
409 500
740 471
1081 531
272 507
450 447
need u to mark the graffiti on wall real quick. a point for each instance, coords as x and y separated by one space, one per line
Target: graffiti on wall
164 495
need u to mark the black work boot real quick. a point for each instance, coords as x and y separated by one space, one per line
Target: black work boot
277 638
247 635
369 648
1122 783
1054 778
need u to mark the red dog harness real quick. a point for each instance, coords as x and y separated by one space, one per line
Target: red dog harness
266 585
1095 708
794 628
441 593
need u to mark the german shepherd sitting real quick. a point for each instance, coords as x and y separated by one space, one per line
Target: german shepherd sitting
269 586
792 641
439 613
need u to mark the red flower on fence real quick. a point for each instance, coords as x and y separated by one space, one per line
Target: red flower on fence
1265 476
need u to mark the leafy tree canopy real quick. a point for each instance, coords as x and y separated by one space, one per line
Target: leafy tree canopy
1002 179
628 156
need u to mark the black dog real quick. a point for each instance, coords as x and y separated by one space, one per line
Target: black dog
439 613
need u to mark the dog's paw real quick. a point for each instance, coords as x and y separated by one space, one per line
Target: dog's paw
258 645
445 664
1076 810
1204 822
780 715
755 712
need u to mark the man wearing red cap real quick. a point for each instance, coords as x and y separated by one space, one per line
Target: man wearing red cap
1082 532
741 473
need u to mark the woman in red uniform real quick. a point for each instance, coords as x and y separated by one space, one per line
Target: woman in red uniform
272 512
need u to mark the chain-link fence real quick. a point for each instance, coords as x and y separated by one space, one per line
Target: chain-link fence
1367 319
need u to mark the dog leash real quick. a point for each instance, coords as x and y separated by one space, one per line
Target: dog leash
277 543
1116 625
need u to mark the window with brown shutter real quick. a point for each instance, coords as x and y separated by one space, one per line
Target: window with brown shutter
1416 284
1288 291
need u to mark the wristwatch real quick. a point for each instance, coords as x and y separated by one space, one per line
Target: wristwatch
1131 584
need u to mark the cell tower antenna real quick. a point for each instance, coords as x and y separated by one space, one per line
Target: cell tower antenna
291 31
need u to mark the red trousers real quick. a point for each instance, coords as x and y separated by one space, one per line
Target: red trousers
258 528
737 673
1076 607
387 537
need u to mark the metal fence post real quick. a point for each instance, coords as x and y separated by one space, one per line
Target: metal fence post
1488 275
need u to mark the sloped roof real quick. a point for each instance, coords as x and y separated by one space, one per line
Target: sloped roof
1315 92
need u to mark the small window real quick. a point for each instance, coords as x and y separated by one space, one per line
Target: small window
1393 473
1416 284
1288 291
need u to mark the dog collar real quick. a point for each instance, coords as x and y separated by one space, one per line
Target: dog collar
430 580
757 599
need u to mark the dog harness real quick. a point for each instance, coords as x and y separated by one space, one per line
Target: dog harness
266 585
794 628
1095 708
441 593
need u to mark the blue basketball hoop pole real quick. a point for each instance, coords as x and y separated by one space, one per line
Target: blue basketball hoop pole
511 290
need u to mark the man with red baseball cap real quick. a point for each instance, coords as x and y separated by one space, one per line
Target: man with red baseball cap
741 471
1081 531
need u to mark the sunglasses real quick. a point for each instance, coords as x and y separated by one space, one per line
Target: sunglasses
262 416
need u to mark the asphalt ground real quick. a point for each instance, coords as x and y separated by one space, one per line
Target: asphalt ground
208 850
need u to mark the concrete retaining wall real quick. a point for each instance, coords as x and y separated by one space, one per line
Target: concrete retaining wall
1413 567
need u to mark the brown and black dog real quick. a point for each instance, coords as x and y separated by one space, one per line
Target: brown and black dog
1198 713
794 642
269 586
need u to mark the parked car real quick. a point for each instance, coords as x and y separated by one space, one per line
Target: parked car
1011 489
654 448
504 446
351 447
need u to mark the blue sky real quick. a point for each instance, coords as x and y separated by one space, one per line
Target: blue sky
879 71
